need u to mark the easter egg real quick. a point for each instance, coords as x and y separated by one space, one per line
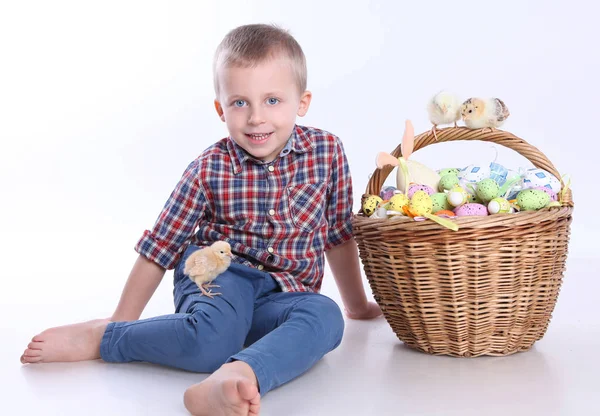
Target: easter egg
457 196
532 199
448 171
440 202
421 203
370 203
539 177
446 212
474 173
448 181
397 202
487 190
471 210
549 191
498 206
414 188
387 192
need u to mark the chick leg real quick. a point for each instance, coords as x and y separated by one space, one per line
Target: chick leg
207 293
433 129
455 125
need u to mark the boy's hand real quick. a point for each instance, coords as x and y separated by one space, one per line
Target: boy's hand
370 311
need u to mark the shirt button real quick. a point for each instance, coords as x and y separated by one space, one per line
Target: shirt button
271 168
270 250
260 267
271 212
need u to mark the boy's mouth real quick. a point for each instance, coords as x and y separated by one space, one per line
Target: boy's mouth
258 137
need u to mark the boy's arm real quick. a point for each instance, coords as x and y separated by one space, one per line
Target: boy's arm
143 280
159 247
344 264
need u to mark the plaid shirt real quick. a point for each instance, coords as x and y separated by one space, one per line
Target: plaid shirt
279 217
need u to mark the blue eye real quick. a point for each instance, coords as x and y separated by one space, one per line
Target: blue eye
272 101
239 103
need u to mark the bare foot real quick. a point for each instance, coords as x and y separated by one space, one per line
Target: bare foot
78 342
229 391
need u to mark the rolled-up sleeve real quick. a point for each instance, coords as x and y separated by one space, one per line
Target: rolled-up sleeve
339 200
177 222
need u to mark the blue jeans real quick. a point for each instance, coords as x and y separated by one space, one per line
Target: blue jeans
279 334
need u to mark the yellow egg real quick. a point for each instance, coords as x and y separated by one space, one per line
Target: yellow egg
370 203
397 202
421 203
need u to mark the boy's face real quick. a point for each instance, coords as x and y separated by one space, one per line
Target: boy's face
260 105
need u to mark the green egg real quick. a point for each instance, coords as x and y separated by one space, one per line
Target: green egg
487 190
440 202
447 182
532 199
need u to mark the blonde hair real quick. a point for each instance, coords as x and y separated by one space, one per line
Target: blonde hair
249 45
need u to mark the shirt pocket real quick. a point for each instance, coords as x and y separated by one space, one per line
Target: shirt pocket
307 205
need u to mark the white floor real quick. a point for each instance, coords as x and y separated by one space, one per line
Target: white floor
371 373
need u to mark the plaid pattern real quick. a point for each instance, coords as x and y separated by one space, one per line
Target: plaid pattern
280 216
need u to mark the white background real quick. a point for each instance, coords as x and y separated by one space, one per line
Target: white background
103 105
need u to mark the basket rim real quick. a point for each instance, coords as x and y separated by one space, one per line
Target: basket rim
465 223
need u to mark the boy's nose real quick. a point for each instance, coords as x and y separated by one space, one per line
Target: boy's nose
256 117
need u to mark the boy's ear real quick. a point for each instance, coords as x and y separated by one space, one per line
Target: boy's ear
304 103
219 110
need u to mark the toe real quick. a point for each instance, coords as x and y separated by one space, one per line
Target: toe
25 359
38 338
254 409
247 390
35 345
32 353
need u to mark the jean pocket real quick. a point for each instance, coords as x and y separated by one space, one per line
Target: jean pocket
307 205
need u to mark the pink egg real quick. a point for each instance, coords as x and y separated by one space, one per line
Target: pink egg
414 188
549 191
472 209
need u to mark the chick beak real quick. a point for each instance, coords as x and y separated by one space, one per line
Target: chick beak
444 108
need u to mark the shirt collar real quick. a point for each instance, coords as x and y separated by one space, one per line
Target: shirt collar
299 142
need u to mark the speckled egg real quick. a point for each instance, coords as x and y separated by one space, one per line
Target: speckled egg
440 202
457 196
370 203
387 192
397 202
550 192
421 203
472 209
414 188
487 190
449 171
498 206
532 199
447 182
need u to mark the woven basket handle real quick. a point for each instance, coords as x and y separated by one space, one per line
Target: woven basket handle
452 134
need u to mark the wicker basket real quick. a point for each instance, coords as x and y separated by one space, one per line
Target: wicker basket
488 288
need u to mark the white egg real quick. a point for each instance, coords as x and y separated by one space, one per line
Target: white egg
540 177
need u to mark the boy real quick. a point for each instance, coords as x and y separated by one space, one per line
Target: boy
281 195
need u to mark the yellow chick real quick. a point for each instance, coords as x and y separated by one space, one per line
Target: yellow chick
204 265
479 113
443 108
